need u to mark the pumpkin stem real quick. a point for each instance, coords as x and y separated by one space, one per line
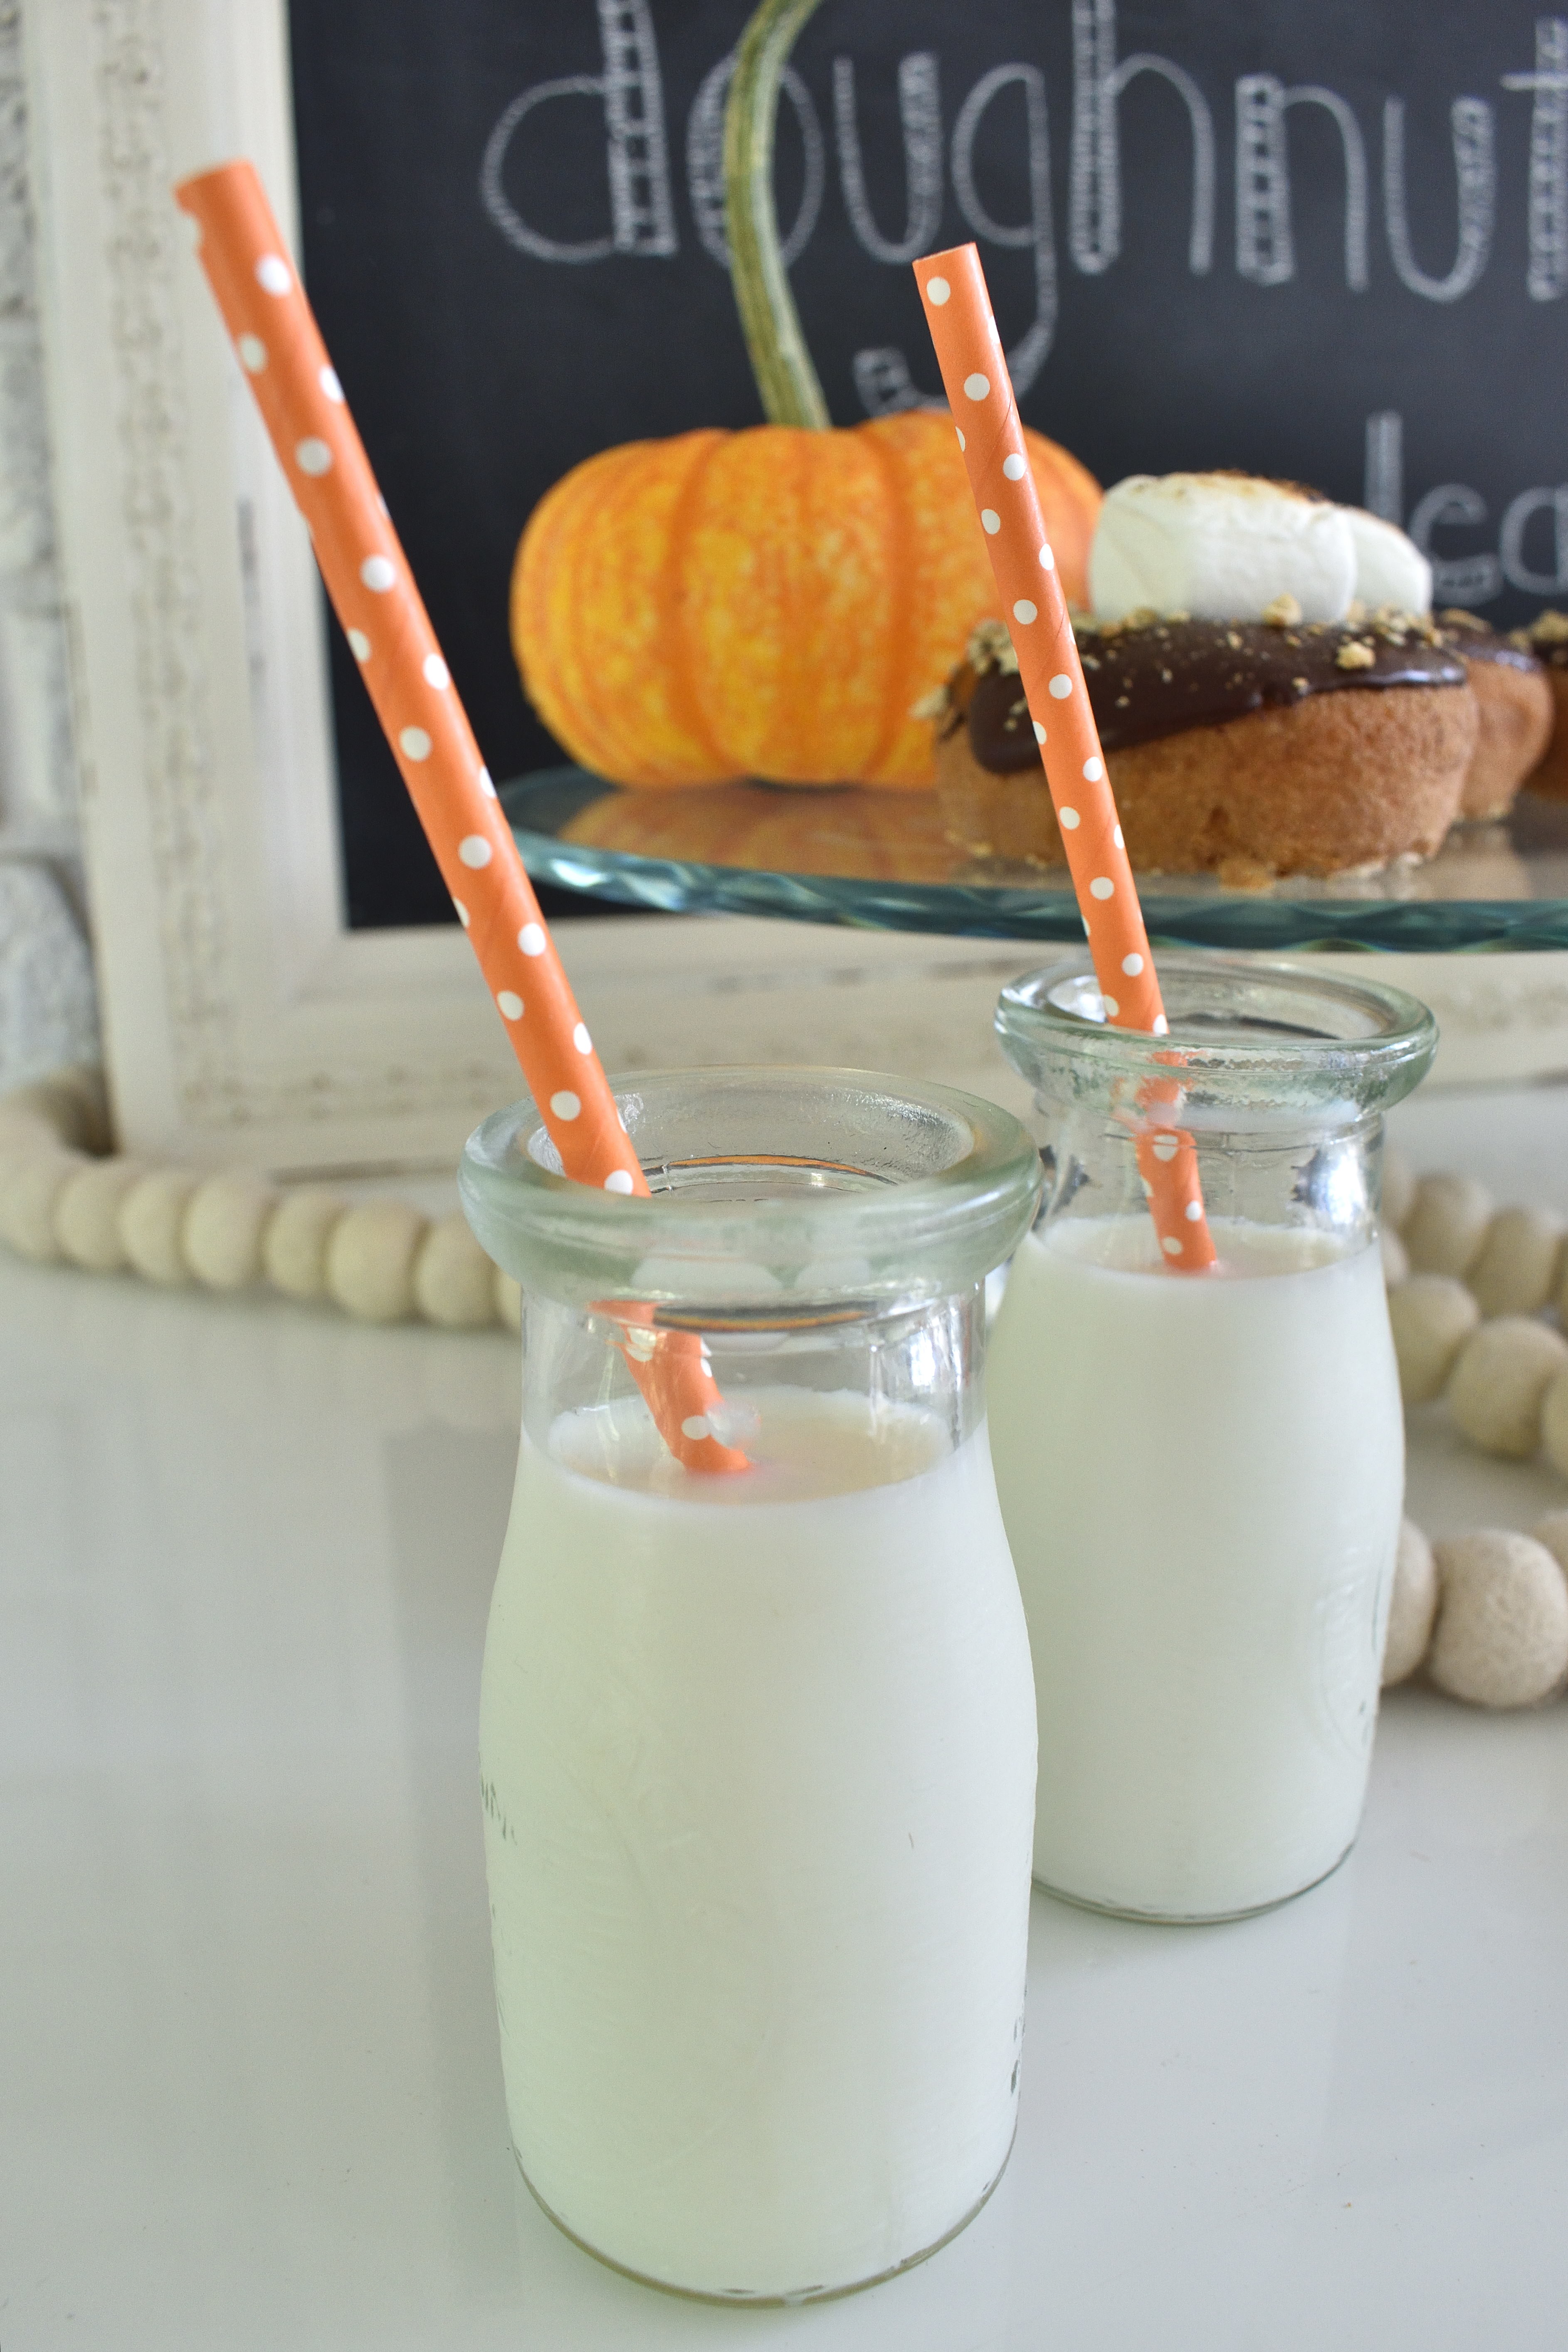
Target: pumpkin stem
781 362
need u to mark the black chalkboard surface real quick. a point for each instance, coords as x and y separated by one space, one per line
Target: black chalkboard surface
1328 242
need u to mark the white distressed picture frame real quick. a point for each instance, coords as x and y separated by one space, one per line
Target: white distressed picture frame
245 1022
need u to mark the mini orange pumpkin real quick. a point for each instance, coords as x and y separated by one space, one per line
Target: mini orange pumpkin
768 602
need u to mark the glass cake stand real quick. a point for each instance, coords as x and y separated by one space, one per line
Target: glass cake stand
879 861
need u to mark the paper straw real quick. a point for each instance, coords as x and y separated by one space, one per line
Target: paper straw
367 576
980 394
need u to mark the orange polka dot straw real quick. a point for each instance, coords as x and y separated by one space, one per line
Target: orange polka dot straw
980 394
279 347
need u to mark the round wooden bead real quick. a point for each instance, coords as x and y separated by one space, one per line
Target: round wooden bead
1447 1224
1398 1185
1516 1272
453 1282
152 1222
1499 1379
87 1214
1431 1315
508 1300
1502 1636
294 1247
223 1224
1552 1531
28 1195
1395 1259
370 1260
1412 1606
1554 1423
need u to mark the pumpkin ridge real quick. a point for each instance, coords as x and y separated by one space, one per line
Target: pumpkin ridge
591 716
900 601
674 637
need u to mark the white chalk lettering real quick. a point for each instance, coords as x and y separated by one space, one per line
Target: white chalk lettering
705 162
1547 275
1468 580
641 212
1383 490
1027 357
1094 183
885 385
1265 242
1511 540
920 112
1474 171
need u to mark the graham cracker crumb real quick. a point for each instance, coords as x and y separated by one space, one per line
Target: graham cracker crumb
1356 656
1283 613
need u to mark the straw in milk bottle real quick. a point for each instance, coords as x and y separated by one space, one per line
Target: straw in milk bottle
757 1721
1196 1425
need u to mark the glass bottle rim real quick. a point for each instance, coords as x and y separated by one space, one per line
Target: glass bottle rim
774 1186
1240 1028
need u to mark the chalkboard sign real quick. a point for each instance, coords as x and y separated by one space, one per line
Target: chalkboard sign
1328 243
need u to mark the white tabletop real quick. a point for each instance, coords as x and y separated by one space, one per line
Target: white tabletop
249 2084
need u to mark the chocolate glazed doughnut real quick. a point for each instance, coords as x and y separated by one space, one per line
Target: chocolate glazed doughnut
1547 639
1245 749
1514 706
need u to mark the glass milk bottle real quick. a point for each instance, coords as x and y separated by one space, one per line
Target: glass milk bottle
757 1751
1200 1475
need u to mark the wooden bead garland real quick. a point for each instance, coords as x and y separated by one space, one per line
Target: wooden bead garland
66 1198
1466 1315
1485 1612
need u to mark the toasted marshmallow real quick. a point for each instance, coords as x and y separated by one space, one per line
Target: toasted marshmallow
1390 569
1219 546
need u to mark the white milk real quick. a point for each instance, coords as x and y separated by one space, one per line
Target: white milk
758 1757
1201 1478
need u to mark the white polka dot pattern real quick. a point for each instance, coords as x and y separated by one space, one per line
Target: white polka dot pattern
963 331
300 398
1039 730
937 291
